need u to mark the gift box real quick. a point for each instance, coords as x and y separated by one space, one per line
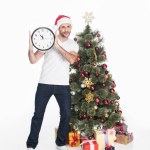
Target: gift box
124 137
89 145
104 138
73 139
100 138
121 127
83 139
109 148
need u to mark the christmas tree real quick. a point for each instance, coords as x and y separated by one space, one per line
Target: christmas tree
95 103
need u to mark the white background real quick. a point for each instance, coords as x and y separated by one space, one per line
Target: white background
125 25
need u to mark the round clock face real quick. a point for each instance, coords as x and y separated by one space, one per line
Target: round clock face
43 38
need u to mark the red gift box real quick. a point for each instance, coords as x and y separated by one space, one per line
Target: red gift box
83 139
90 145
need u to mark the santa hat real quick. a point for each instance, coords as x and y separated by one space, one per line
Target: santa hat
60 20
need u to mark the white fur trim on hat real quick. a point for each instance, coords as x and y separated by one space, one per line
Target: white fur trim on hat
60 20
63 20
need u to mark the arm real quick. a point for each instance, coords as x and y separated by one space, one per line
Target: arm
33 57
69 56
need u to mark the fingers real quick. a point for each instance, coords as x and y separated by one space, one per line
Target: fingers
29 37
30 42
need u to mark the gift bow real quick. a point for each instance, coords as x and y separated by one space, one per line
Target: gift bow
111 132
90 142
74 139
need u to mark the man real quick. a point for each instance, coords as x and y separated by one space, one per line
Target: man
54 80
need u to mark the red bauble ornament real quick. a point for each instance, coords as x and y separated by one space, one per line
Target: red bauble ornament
118 98
113 84
119 111
86 73
96 48
106 72
104 55
105 102
101 120
112 90
88 44
112 101
118 123
98 35
78 58
84 116
92 88
80 117
97 74
91 117
82 74
75 39
97 100
104 66
78 66
90 137
103 84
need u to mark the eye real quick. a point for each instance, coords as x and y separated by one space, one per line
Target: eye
62 27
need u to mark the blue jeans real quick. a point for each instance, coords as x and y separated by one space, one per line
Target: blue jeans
43 94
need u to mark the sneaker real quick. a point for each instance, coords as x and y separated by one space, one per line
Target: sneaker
62 147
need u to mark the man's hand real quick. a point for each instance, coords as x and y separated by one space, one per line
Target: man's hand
56 42
30 42
33 57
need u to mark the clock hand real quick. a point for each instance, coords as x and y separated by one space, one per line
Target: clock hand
42 36
46 38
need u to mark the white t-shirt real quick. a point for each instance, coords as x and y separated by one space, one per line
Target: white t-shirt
55 69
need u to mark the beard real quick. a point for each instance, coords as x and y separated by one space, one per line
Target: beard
64 34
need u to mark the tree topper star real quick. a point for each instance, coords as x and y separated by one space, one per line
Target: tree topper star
88 17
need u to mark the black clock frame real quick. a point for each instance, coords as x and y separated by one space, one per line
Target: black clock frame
38 29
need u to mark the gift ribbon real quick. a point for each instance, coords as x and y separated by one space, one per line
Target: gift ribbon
106 139
130 137
121 128
74 139
90 142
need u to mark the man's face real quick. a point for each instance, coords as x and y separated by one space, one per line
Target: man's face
65 30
